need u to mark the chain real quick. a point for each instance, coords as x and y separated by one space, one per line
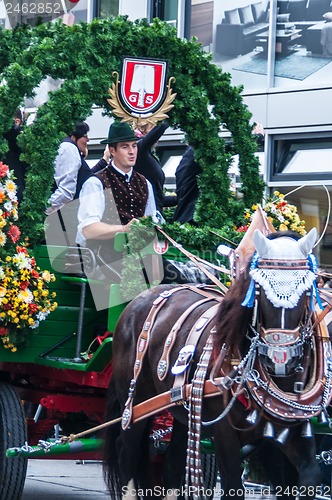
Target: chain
310 408
246 367
325 457
158 435
42 445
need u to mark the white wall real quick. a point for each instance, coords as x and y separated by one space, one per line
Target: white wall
135 9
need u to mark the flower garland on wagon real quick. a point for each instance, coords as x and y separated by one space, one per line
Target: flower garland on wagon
24 296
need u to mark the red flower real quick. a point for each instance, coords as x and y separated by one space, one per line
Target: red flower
7 307
3 331
34 273
20 249
14 233
24 285
33 262
33 308
4 169
242 229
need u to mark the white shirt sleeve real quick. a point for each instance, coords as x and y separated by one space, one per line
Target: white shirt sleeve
66 167
150 208
91 208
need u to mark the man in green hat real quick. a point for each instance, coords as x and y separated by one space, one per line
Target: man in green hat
115 196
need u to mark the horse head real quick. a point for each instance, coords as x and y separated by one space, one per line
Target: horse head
283 283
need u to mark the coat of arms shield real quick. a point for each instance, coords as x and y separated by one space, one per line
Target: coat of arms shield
143 85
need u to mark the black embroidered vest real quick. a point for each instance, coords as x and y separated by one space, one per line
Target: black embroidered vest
130 197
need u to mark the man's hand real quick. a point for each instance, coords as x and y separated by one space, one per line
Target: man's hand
127 227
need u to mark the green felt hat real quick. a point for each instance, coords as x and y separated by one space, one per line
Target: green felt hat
119 132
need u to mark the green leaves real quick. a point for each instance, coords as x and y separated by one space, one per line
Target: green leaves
85 55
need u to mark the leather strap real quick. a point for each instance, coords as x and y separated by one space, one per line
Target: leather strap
163 363
141 348
163 401
193 259
193 338
194 475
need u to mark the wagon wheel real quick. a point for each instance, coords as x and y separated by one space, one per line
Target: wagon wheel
13 432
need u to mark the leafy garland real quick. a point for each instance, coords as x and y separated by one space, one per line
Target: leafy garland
85 55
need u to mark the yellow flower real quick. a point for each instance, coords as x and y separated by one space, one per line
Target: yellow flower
14 349
254 207
276 193
31 321
282 227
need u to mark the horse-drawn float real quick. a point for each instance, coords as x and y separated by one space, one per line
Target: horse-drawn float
249 369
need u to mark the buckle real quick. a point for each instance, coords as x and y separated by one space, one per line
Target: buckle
185 356
177 394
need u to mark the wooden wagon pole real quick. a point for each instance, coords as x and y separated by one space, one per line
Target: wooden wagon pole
151 407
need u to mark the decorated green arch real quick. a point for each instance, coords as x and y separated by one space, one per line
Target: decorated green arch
84 56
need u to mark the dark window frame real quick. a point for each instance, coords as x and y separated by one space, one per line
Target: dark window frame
280 156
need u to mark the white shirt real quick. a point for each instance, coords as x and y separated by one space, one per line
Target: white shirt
66 167
92 204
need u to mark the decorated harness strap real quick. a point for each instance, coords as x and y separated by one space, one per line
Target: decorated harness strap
143 342
141 348
186 354
163 364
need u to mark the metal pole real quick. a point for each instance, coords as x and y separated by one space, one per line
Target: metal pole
80 323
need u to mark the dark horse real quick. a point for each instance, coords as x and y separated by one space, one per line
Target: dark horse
268 365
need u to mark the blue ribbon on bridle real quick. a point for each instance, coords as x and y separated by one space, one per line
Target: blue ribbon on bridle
249 299
314 292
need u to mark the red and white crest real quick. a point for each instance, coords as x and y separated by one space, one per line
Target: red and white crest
143 85
160 246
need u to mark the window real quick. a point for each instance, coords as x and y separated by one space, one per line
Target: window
107 8
302 159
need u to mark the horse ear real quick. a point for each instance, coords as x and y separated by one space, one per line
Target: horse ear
307 242
261 243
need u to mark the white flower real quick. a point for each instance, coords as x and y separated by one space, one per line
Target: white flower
12 196
8 206
22 261
25 295
10 186
42 315
35 325
2 273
